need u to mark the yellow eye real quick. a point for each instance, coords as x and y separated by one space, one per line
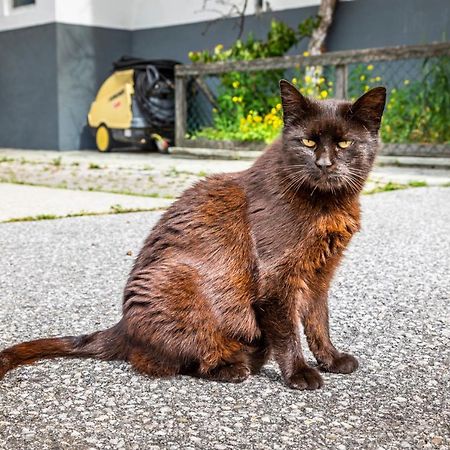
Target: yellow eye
344 144
308 143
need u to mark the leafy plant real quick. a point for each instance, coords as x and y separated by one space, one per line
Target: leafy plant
419 111
248 103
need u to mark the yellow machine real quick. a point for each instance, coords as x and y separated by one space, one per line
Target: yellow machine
135 105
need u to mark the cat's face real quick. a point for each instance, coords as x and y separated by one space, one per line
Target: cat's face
330 145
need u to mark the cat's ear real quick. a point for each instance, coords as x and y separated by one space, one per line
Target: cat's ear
369 108
295 106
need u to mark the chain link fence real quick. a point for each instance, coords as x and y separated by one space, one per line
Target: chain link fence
236 105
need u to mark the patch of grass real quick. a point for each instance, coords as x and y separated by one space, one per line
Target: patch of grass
390 186
75 163
115 209
417 183
202 174
94 166
33 218
446 184
5 159
172 172
57 161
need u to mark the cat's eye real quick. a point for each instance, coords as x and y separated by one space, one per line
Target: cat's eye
344 144
308 143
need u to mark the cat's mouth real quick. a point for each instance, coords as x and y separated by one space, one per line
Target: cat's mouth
328 180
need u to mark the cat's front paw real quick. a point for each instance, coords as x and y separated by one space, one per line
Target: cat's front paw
305 378
343 363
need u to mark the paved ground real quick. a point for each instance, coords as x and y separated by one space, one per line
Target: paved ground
19 201
390 307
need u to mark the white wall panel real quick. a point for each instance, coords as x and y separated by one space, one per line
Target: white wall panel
11 18
124 14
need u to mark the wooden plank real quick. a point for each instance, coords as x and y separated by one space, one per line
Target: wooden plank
331 58
180 110
340 86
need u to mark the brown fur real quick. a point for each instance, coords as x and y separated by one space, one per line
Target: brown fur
241 261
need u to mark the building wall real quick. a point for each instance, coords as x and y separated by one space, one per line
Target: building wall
52 71
28 86
84 59
357 24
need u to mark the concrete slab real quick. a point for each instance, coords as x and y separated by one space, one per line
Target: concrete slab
20 201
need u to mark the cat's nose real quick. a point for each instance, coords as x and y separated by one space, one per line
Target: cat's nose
323 162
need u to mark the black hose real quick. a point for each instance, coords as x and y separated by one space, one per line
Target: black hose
155 96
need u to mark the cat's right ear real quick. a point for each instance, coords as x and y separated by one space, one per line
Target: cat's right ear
295 106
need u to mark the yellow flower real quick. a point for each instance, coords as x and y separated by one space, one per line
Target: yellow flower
362 77
324 94
330 83
273 111
308 79
370 67
406 82
191 55
366 88
294 80
377 78
306 53
235 84
321 80
235 99
258 119
278 106
218 49
309 91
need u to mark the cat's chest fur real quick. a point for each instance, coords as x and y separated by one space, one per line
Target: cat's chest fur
315 241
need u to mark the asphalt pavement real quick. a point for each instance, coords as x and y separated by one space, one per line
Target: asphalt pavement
389 307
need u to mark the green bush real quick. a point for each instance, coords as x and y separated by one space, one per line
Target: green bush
248 106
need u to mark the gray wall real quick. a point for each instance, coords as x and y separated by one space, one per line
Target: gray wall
28 94
50 74
84 60
357 24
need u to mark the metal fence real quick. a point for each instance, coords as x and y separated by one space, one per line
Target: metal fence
217 104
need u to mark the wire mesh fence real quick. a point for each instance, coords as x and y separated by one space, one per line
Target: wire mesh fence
236 105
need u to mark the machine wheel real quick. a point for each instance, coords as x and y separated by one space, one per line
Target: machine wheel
103 139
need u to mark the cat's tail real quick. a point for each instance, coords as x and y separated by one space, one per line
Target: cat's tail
107 345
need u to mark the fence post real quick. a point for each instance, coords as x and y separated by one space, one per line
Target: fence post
341 81
180 110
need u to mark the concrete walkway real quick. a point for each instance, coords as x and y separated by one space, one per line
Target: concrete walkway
22 201
175 173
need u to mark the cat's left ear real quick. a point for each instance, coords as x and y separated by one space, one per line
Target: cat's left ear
369 108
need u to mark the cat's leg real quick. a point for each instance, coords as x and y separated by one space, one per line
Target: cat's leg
279 321
316 327
233 370
259 353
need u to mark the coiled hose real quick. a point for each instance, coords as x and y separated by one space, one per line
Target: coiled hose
155 96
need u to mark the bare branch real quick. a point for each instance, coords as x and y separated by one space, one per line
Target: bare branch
234 10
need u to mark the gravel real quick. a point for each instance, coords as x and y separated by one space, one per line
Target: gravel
389 306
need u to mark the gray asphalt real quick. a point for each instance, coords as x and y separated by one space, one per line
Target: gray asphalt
389 306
